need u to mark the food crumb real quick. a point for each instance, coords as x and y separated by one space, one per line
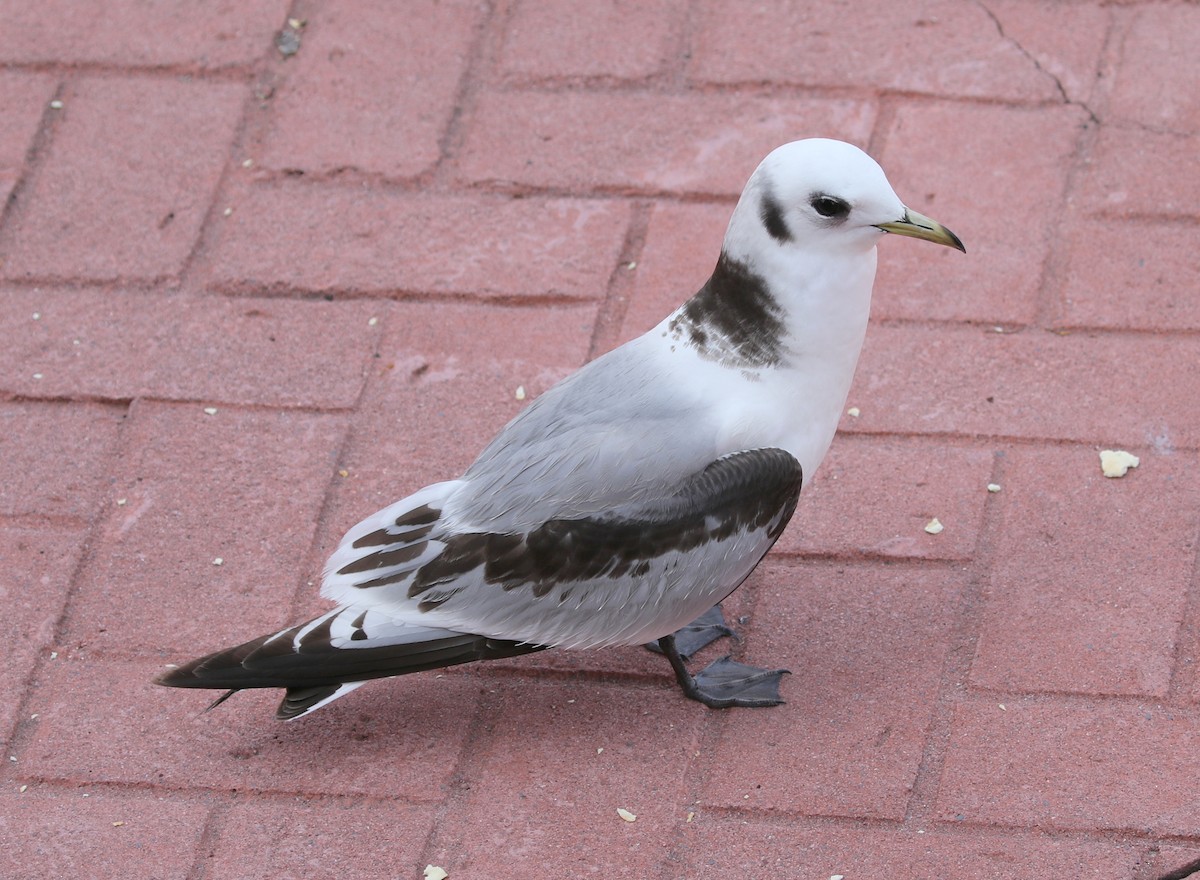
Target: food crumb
1117 462
854 412
934 527
626 815
433 872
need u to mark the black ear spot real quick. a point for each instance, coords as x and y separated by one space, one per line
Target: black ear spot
830 206
772 217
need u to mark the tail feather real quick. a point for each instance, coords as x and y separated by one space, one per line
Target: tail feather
315 669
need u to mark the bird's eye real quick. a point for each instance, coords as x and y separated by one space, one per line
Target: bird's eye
829 206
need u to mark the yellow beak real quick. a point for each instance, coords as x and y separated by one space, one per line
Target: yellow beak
916 225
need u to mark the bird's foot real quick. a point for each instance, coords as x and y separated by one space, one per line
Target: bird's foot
698 634
725 683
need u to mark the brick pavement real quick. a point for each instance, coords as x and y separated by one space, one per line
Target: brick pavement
248 298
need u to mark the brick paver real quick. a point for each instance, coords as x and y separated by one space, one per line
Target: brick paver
248 296
369 92
109 207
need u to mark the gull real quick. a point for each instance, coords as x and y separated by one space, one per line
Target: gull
635 495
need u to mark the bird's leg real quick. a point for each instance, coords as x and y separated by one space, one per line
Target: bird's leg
725 683
699 634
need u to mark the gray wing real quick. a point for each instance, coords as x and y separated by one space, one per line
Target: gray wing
620 430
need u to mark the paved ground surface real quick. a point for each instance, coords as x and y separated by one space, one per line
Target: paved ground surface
246 299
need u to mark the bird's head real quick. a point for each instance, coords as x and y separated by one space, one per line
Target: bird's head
829 195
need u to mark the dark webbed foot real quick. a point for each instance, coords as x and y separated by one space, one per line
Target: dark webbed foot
725 683
698 634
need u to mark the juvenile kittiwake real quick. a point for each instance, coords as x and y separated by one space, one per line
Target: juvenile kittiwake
634 495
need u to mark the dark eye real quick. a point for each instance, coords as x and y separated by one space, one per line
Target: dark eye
829 206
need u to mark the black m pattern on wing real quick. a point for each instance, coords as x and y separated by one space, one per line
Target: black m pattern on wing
752 490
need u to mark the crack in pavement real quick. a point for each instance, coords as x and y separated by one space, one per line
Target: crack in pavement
1058 85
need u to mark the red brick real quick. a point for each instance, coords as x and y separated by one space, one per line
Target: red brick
866 647
102 207
245 486
586 38
371 88
321 837
1069 605
1003 202
570 757
1079 764
682 244
333 238
1129 275
24 98
696 143
438 394
748 846
129 33
1138 173
396 739
54 456
56 833
38 563
940 48
272 352
874 496
1158 74
1115 390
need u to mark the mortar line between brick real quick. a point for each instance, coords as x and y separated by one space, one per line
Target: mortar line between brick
1189 870
232 72
956 665
707 740
489 31
209 837
22 722
1017 440
1048 305
610 315
792 819
438 849
885 118
256 78
207 232
311 575
678 76
1052 277
1187 636
38 147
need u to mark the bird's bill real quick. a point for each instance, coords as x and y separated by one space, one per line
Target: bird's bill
916 225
